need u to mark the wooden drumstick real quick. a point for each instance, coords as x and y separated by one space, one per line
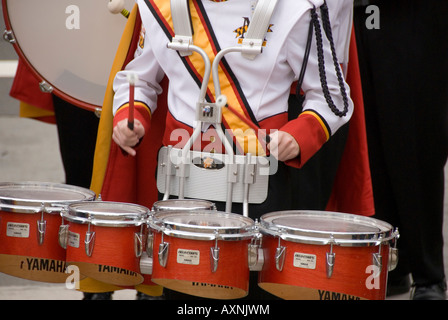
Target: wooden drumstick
117 6
132 79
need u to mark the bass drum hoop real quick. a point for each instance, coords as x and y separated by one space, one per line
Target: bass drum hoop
51 87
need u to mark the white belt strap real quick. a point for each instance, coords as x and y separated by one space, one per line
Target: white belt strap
253 41
183 37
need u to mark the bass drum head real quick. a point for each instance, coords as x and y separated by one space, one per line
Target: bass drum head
69 45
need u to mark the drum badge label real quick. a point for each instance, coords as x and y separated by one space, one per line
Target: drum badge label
18 230
241 31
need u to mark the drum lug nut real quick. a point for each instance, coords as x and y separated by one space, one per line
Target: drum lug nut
63 231
214 254
378 258
280 254
97 112
63 235
255 254
331 257
9 36
214 259
163 252
138 244
45 87
149 245
393 253
89 241
41 227
378 261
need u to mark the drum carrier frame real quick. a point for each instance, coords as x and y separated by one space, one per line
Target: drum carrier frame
244 172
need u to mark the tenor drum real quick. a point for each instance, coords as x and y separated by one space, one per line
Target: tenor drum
105 240
29 227
178 205
202 253
319 255
183 205
70 45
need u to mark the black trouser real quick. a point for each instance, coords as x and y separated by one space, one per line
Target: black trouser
77 132
404 67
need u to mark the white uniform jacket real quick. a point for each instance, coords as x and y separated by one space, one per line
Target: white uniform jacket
264 84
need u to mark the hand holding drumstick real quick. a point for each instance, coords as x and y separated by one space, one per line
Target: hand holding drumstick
128 132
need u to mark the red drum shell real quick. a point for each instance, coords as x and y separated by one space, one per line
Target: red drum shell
230 281
351 278
23 257
113 257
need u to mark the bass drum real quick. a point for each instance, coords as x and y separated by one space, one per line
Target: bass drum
70 46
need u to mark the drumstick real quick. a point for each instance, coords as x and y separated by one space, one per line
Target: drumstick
132 79
117 6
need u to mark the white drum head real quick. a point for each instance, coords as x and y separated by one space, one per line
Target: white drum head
183 205
107 213
31 196
203 225
324 227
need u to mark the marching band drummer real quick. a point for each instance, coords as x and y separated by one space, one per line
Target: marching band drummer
258 87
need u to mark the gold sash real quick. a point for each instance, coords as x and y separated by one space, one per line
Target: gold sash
245 136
